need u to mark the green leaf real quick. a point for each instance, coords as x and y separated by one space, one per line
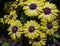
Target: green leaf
23 18
57 35
5 44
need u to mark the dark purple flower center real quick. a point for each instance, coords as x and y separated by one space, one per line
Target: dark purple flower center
14 29
47 10
4 19
37 39
11 16
8 6
31 29
58 17
49 25
33 6
24 0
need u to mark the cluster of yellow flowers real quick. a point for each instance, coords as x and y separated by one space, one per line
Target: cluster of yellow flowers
36 32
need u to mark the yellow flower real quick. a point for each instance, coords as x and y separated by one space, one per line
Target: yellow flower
33 7
16 3
49 27
7 6
40 40
22 2
15 29
49 11
31 29
12 16
4 19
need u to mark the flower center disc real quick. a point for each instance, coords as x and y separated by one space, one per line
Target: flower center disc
8 6
14 29
58 17
4 19
31 29
37 39
11 16
33 6
47 10
49 25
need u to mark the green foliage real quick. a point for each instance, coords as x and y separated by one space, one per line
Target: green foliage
5 44
23 19
57 35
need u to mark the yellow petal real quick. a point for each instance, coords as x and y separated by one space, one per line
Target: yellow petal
13 36
18 34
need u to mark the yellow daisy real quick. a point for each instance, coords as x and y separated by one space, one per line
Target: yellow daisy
40 40
49 11
16 3
49 27
33 7
12 16
7 6
15 29
22 2
31 29
4 19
